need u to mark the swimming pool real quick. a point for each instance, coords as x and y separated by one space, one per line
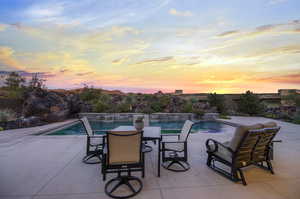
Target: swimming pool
167 127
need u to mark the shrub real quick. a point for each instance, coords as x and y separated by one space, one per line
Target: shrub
188 107
199 113
249 103
218 101
89 94
1 128
123 108
296 120
7 115
100 107
225 117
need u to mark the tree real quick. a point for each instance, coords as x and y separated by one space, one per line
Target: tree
14 81
218 101
89 93
36 82
249 103
295 99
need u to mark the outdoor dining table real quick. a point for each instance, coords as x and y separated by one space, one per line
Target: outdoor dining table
150 133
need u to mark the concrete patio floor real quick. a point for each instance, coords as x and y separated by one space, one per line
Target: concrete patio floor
50 167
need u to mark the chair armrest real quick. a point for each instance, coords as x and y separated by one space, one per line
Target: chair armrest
104 150
216 145
96 136
97 130
170 134
274 141
163 142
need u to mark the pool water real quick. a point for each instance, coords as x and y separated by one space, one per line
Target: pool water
167 127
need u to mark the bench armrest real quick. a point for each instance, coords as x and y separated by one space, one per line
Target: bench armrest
216 144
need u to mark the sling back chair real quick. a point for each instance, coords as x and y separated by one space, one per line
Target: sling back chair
123 154
94 144
146 147
175 149
250 145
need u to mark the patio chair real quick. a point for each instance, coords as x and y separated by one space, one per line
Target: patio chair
250 145
123 154
177 150
94 144
146 148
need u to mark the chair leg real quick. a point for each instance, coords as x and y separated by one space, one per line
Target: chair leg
208 162
242 177
270 167
234 174
123 180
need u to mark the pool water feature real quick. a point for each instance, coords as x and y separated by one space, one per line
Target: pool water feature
167 127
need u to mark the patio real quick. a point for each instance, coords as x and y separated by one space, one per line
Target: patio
50 167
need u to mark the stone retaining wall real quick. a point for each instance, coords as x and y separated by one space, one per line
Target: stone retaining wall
123 117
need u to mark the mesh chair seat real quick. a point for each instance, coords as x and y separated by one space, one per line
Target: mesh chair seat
223 152
178 147
95 141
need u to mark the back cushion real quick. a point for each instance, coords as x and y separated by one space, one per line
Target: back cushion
270 125
239 134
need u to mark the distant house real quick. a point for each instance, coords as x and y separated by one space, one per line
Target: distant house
178 92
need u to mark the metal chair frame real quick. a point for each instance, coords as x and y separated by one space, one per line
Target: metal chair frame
93 150
122 168
256 142
174 157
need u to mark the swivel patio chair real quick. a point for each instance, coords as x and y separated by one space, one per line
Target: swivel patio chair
94 144
146 148
123 154
250 145
174 153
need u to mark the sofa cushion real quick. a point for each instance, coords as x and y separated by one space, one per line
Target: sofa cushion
223 153
269 124
239 134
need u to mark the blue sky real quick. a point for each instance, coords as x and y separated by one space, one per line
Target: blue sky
142 45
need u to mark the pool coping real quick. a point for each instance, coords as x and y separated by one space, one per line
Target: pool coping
64 126
57 128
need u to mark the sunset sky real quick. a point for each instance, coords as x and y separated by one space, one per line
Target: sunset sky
149 45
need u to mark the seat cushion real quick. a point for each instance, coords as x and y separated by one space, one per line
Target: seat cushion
239 134
96 141
223 153
269 124
175 146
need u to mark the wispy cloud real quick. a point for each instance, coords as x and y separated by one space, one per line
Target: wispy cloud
228 33
175 12
84 74
161 59
120 61
273 2
3 27
29 74
285 79
74 12
7 58
291 27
